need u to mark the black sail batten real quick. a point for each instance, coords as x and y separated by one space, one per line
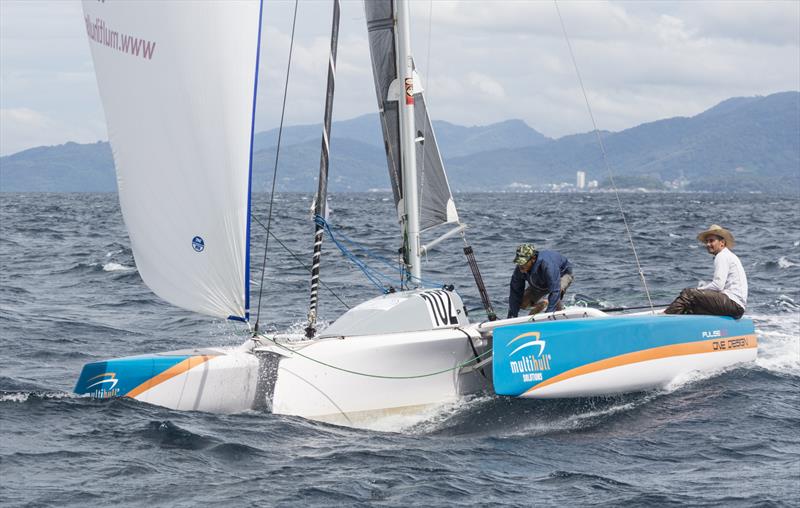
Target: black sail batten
320 208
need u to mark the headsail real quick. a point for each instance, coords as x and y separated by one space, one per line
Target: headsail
435 199
177 82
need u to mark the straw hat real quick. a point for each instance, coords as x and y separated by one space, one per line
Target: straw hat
719 231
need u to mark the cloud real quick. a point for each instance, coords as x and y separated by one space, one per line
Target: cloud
19 127
480 62
22 128
485 85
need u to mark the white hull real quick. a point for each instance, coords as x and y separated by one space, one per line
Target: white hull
393 377
401 373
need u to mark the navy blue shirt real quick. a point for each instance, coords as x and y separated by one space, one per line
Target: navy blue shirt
544 275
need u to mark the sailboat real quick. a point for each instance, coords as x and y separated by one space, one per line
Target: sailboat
178 82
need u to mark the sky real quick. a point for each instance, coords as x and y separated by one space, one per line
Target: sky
480 61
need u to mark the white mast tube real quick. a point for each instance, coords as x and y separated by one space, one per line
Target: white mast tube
407 136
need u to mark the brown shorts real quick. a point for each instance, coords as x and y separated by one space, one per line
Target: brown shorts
536 299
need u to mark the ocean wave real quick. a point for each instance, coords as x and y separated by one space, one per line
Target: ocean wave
787 303
169 435
235 452
571 476
27 396
509 417
16 291
784 262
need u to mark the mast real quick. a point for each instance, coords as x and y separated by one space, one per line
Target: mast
322 187
405 72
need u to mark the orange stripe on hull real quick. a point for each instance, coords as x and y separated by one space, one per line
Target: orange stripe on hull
689 348
170 373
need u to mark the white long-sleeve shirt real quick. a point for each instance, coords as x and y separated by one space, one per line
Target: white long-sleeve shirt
729 277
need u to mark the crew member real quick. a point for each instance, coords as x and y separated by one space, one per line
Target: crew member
726 294
548 274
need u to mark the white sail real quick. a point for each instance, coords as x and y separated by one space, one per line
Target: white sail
177 81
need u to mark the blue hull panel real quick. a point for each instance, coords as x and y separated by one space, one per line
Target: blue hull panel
118 377
530 356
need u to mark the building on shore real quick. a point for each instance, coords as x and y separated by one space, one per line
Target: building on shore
581 180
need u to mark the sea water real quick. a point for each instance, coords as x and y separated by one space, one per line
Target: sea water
70 294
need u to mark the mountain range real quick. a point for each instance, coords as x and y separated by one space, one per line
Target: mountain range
742 144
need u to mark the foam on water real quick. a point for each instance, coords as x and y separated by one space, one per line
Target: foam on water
421 422
26 396
784 262
688 379
779 343
116 267
580 419
778 351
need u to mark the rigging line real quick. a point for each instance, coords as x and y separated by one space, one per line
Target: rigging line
370 254
275 170
371 274
303 265
379 376
605 157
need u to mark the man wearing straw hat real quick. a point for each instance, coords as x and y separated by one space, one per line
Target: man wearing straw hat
548 275
726 294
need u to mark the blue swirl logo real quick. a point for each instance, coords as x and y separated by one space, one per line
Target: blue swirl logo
198 244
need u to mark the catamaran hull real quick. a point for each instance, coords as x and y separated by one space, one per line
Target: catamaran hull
354 380
610 355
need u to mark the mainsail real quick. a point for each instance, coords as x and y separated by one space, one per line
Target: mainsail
435 199
177 82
